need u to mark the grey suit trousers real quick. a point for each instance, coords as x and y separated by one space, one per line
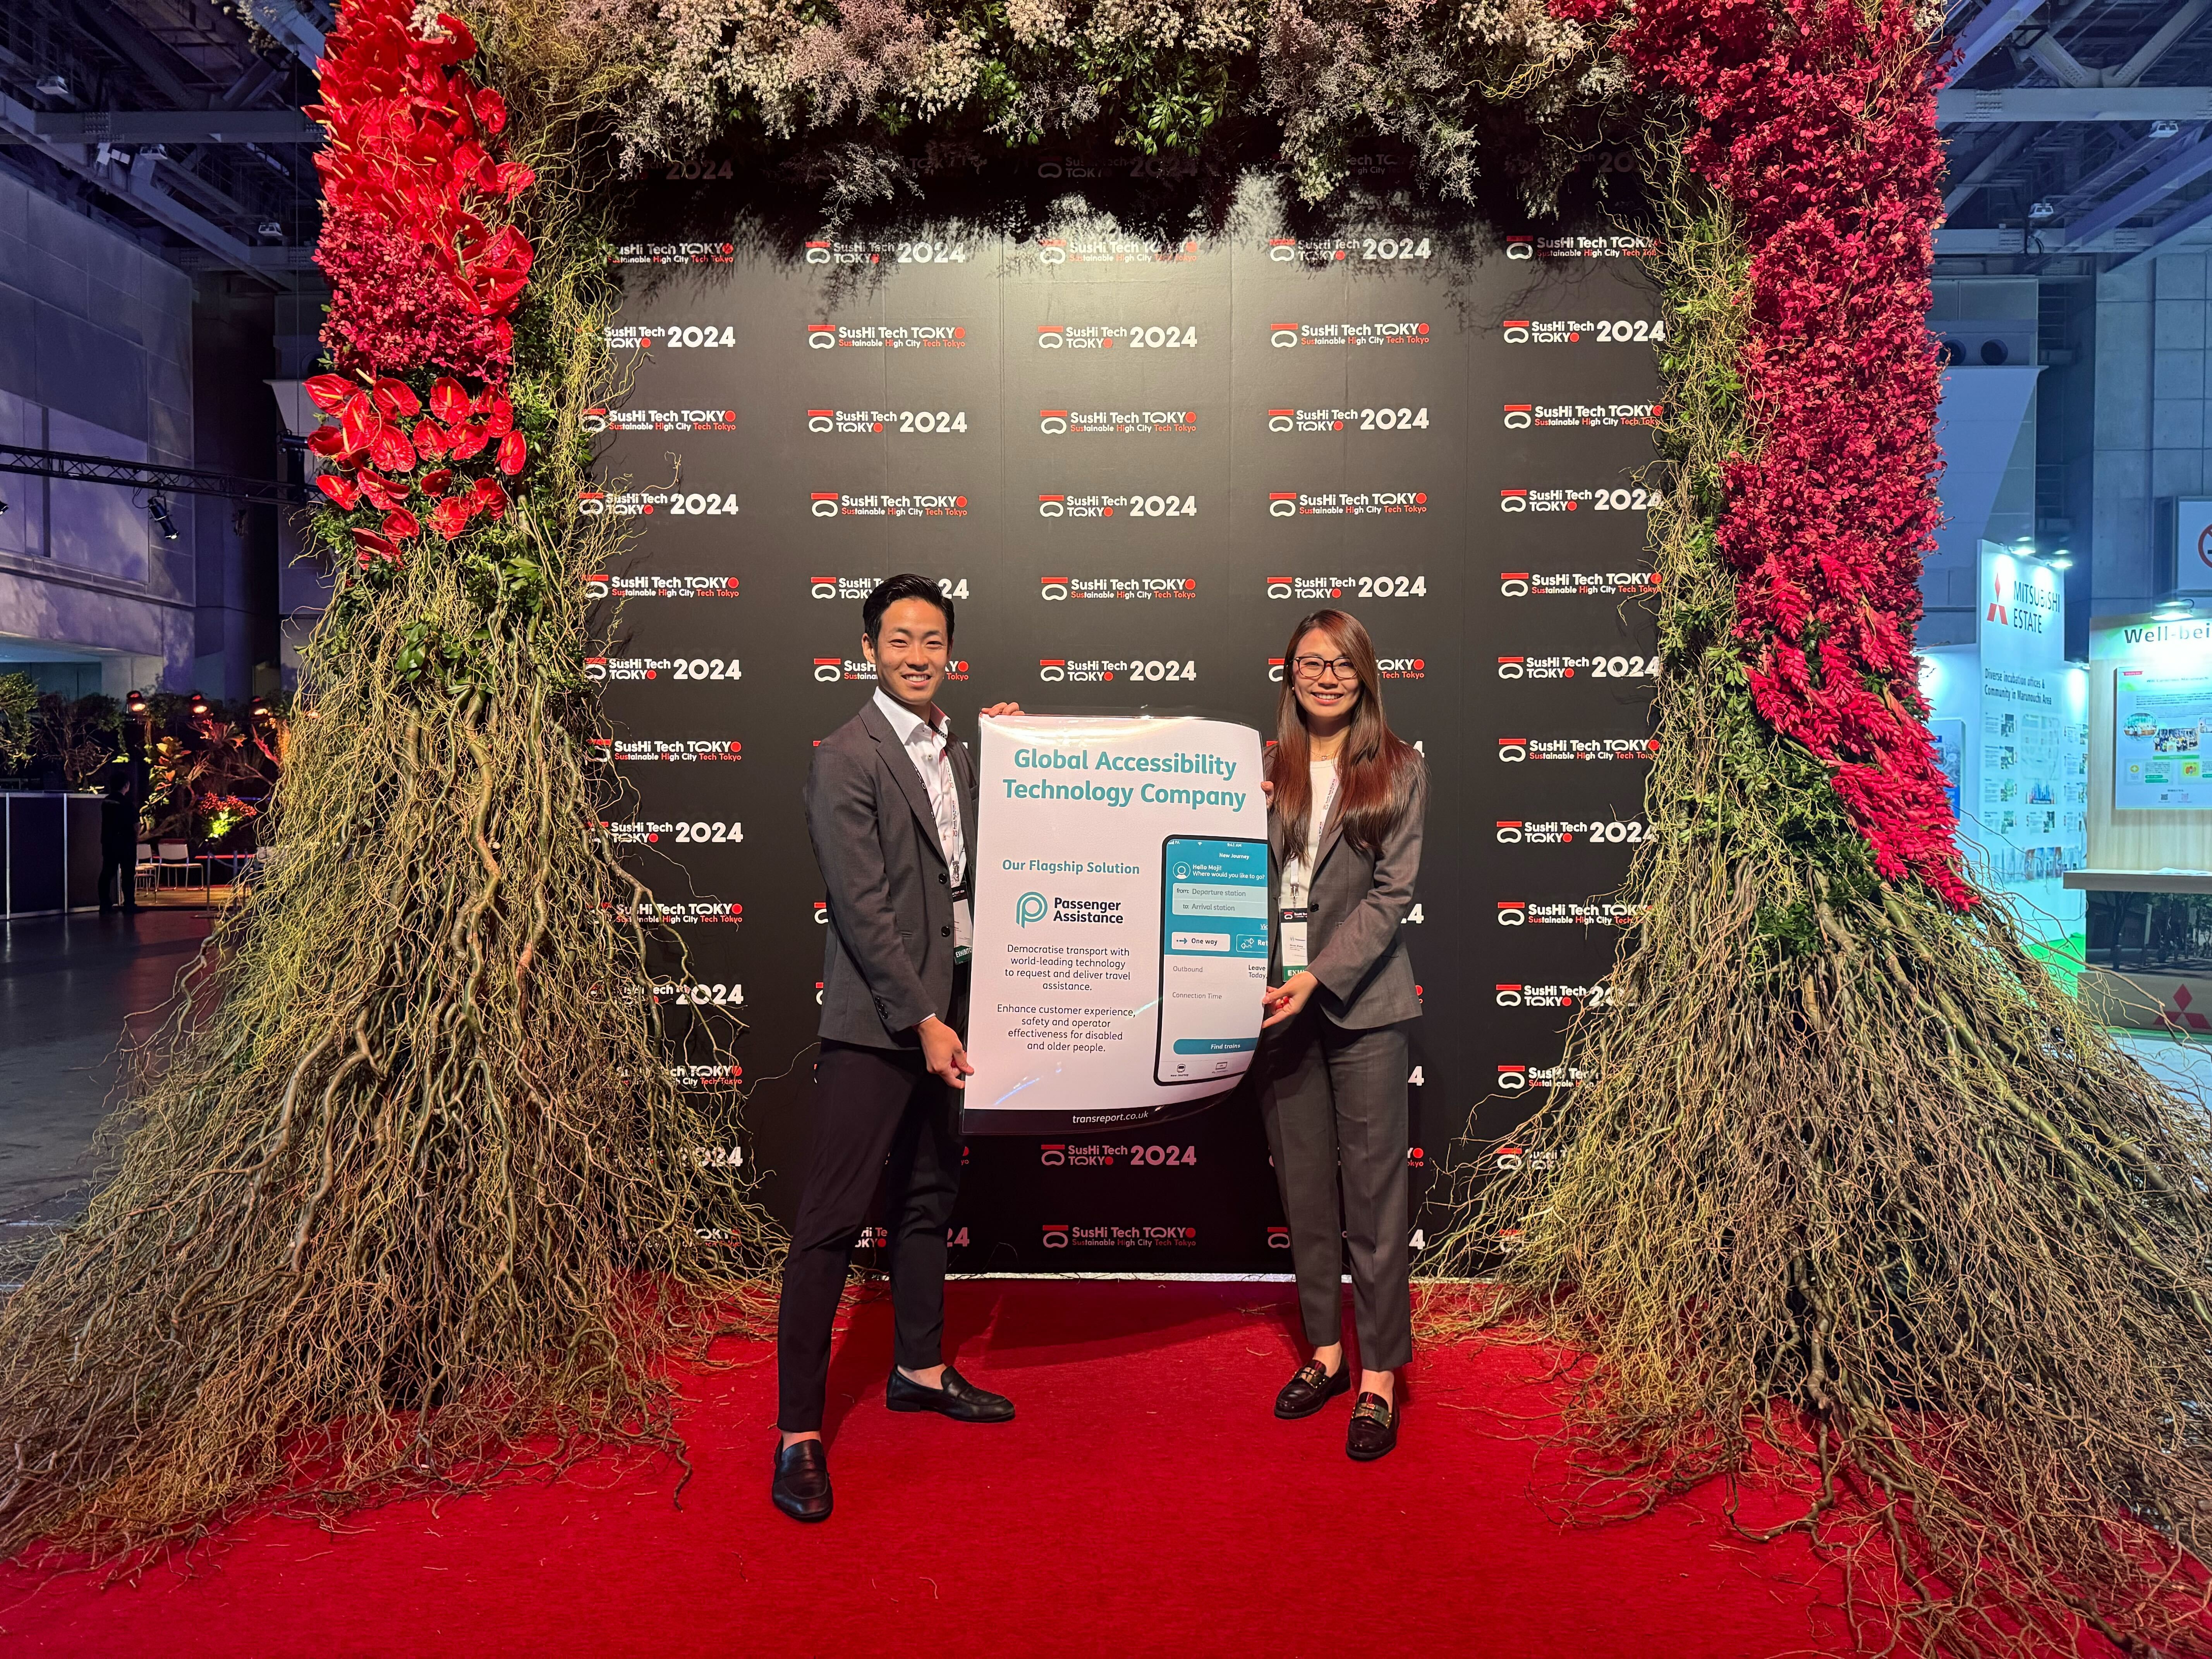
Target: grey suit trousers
1335 1105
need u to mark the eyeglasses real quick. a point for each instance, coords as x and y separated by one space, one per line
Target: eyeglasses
1316 668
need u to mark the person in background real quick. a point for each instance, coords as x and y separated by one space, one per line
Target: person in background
122 797
890 808
1346 796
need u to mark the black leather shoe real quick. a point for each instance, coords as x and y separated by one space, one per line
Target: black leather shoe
1310 1389
959 1399
801 1490
1374 1428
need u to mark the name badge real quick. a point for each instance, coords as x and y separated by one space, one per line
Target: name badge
1292 923
963 924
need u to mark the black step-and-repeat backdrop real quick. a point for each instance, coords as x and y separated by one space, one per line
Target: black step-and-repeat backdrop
1133 462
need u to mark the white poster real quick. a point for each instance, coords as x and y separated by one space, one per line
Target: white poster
1121 920
2031 820
2161 727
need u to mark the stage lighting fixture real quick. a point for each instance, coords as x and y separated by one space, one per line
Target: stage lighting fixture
2062 560
158 510
269 227
260 708
2174 610
199 704
136 702
2166 129
2042 210
53 86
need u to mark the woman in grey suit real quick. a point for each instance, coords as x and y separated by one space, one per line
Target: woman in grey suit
1345 800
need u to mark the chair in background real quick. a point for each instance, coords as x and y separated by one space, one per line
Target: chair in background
176 857
146 872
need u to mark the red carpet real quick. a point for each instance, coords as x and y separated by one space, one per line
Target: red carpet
1146 1502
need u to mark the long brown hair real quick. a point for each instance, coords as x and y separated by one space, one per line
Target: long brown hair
1375 768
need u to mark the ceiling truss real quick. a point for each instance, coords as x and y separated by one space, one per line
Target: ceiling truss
2076 129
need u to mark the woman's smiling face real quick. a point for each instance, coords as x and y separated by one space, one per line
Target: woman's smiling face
1332 693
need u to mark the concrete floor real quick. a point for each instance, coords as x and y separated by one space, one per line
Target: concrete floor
68 985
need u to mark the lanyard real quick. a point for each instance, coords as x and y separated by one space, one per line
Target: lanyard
1298 881
1294 912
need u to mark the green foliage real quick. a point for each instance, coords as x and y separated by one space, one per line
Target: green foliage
19 696
207 775
75 737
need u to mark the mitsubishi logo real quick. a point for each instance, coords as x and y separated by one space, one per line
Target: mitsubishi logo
2194 1021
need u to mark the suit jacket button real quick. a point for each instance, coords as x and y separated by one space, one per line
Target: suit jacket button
941 877
945 932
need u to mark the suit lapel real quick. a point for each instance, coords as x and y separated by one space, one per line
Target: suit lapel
1331 833
963 773
901 762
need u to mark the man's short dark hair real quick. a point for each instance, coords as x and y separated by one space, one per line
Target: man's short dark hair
888 592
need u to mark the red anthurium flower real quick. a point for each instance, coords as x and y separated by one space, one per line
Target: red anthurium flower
401 524
382 492
389 449
469 440
327 392
396 400
369 542
423 274
340 489
487 491
448 401
429 439
450 516
512 453
462 44
327 441
434 483
357 425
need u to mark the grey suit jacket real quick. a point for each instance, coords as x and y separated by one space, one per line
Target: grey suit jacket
1356 903
887 964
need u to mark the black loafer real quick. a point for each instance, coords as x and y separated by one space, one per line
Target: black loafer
1310 1389
801 1489
959 1399
1374 1428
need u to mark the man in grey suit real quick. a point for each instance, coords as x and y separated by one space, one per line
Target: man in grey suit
890 808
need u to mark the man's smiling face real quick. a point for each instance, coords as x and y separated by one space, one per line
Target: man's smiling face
911 651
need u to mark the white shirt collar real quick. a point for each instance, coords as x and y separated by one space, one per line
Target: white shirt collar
904 720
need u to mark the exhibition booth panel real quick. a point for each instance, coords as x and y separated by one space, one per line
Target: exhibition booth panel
49 852
2010 718
2148 886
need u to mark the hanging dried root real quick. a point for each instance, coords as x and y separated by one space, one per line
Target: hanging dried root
1851 1193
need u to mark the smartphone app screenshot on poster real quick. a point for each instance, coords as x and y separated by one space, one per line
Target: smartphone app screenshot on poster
1213 955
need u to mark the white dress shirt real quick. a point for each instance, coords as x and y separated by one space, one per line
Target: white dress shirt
926 742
